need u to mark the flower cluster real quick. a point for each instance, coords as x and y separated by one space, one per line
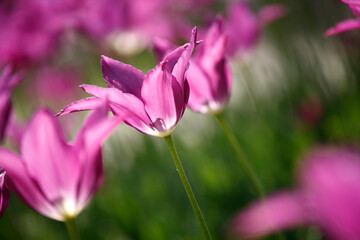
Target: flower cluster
58 178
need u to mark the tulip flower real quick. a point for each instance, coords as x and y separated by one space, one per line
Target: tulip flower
348 24
155 102
7 83
209 74
328 197
4 193
54 177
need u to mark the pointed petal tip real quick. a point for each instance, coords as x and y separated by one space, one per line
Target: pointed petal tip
59 113
330 32
103 59
194 35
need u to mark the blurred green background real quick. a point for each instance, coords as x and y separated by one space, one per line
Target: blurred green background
298 89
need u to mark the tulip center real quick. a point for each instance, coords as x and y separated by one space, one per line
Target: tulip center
159 126
68 209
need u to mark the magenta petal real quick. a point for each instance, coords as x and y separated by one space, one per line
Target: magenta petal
275 213
271 13
24 185
5 110
213 34
343 26
201 93
81 105
335 196
4 193
216 66
164 99
8 80
209 75
88 143
183 61
122 76
49 160
121 103
243 27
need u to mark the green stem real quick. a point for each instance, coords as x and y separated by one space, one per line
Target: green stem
235 145
71 227
187 187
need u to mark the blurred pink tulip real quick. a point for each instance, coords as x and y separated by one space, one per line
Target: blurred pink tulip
4 193
28 33
328 197
55 86
55 177
155 102
209 74
7 83
348 24
244 27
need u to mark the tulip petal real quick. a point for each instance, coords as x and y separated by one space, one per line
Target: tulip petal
273 214
121 103
124 77
335 196
24 185
270 13
5 109
49 160
81 105
343 26
4 193
8 80
201 92
216 67
88 142
182 62
209 75
243 27
164 99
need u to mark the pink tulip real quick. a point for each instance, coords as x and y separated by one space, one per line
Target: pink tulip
155 102
55 177
55 86
28 33
348 24
209 74
328 197
245 27
7 83
4 193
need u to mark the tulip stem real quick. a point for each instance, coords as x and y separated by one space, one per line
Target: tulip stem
239 153
71 227
187 187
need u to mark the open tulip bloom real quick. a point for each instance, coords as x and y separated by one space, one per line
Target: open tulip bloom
348 24
54 177
155 102
328 197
